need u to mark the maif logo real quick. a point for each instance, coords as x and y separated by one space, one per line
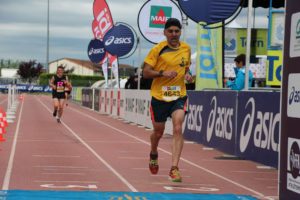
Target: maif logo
159 15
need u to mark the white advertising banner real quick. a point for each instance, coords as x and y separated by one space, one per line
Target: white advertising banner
130 105
153 16
122 104
143 105
115 100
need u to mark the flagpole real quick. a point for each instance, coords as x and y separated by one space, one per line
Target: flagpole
47 50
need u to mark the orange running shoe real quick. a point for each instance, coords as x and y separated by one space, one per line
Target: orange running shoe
174 175
153 164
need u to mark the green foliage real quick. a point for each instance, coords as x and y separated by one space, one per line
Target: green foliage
76 80
29 71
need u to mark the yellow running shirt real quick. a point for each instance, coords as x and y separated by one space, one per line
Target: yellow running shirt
163 57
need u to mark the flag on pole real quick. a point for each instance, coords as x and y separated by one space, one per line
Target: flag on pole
209 62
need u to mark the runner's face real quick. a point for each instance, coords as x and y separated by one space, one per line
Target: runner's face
60 72
173 35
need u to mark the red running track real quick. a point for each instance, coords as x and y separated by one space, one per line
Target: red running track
92 151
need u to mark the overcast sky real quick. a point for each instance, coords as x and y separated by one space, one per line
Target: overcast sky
23 27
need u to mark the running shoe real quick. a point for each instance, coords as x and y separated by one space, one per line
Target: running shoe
174 175
153 164
58 120
54 113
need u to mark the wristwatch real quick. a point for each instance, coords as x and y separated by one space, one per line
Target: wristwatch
160 73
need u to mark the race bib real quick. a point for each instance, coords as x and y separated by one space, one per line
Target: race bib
171 93
60 87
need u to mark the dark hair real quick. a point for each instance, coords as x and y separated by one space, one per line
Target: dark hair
60 67
172 22
241 58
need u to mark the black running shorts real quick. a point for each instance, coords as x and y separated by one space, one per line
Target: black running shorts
58 95
161 110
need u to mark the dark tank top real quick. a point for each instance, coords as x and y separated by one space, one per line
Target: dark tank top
59 82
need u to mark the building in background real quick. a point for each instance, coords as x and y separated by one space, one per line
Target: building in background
86 67
79 67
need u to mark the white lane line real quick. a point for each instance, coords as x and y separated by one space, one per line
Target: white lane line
56 173
254 172
133 189
183 159
264 167
51 181
55 156
61 167
133 158
7 176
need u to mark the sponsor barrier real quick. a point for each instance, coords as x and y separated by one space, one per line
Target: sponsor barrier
258 127
27 88
142 106
130 105
96 97
211 119
121 104
244 124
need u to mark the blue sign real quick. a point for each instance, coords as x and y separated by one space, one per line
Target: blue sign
211 119
209 11
120 40
96 51
258 127
28 88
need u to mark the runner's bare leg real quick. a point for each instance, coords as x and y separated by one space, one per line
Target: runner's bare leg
177 145
158 131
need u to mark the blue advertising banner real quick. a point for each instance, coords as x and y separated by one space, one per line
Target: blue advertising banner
27 88
218 129
120 40
258 127
96 51
209 11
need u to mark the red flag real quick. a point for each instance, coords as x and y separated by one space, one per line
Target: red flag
103 21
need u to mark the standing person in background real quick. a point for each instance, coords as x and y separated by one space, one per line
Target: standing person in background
58 83
239 81
168 65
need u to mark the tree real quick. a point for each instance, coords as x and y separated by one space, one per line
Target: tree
30 71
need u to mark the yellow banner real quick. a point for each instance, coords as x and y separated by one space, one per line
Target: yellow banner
274 68
209 62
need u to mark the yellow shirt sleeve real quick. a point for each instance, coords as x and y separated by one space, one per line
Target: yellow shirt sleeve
151 58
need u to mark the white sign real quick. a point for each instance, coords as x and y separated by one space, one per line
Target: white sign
293 165
295 36
293 101
153 16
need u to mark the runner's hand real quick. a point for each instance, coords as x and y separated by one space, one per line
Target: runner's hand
188 78
170 74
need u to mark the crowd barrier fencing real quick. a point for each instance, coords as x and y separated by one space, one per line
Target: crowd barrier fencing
244 124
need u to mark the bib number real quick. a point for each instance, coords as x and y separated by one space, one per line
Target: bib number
60 87
171 93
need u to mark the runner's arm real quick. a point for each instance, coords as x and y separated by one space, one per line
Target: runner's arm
51 83
149 72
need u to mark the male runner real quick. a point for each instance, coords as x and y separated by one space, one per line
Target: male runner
58 83
168 64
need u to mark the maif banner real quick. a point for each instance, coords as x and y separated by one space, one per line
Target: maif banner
209 62
153 16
